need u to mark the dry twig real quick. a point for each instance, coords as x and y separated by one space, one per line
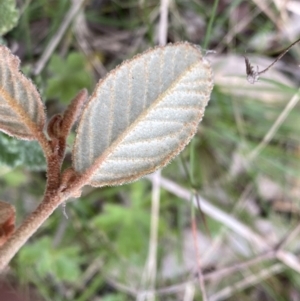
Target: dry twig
253 75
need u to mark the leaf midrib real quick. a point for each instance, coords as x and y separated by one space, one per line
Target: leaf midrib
18 109
99 161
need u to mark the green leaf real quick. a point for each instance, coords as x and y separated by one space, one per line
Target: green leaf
120 224
9 15
142 114
15 153
68 76
128 226
113 297
45 260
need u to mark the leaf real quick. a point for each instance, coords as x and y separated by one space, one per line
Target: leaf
7 221
119 223
22 112
142 114
113 297
8 15
62 263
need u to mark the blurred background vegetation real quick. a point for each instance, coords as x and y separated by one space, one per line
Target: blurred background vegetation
243 166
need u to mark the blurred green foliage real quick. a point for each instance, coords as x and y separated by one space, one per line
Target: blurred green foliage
113 297
68 76
41 259
128 226
15 153
13 178
9 16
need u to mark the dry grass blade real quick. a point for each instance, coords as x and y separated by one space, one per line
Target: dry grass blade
76 5
247 282
22 112
208 208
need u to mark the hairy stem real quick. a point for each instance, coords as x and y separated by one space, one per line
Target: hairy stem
50 202
52 199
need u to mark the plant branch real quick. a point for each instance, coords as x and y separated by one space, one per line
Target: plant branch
253 76
50 202
247 282
44 143
52 199
279 57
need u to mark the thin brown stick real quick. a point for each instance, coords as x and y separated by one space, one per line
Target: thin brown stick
279 57
256 240
52 199
269 255
222 272
216 213
212 276
198 256
247 282
253 75
202 214
288 237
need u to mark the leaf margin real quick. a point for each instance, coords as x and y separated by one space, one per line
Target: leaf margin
89 172
34 127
